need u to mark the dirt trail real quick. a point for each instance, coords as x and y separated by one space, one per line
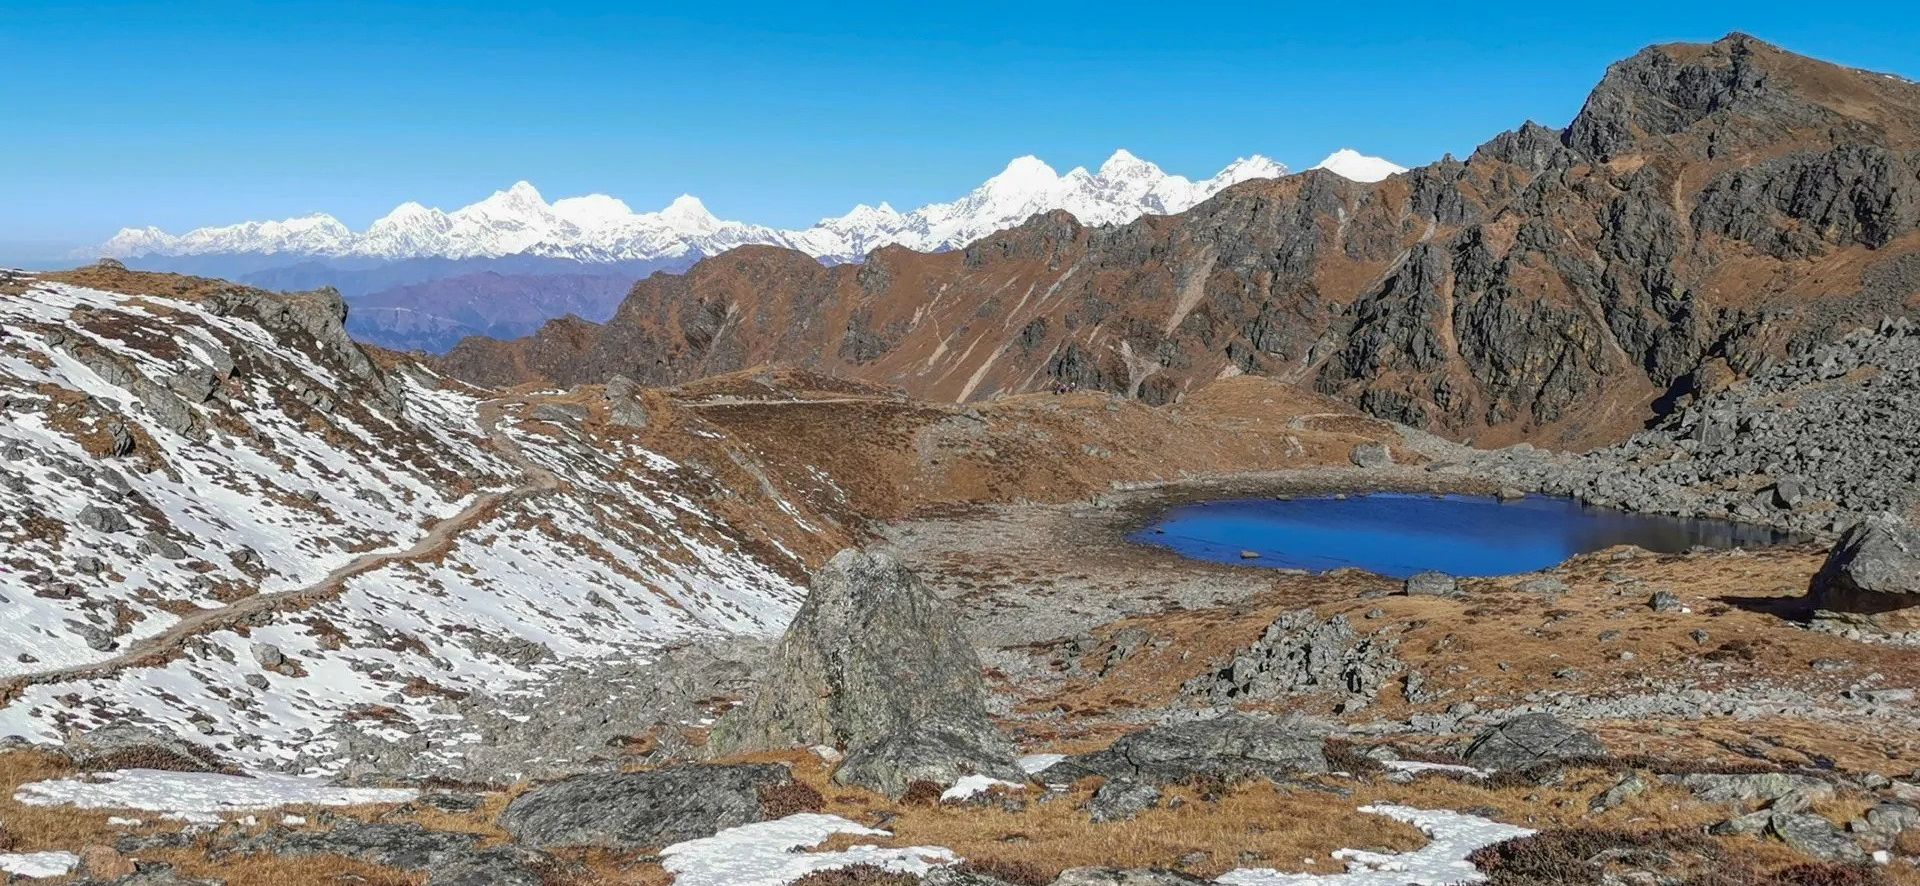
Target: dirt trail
536 479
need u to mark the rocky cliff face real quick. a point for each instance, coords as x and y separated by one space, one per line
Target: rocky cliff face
1727 201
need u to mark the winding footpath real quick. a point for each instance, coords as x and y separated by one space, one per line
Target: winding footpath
153 650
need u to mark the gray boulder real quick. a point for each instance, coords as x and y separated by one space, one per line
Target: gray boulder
1815 836
1529 740
624 407
876 664
1233 746
102 519
1122 799
1872 572
1432 584
641 809
1753 789
1372 455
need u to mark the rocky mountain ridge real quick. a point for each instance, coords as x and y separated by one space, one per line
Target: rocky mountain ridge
1729 202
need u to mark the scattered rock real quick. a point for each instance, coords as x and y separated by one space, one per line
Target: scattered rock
1432 584
1629 786
1752 789
641 810
1300 653
1664 601
1372 455
268 655
1121 799
1236 745
448 859
102 519
1529 740
1814 836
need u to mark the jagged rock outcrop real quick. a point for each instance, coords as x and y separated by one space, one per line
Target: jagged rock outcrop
876 664
1549 286
1300 653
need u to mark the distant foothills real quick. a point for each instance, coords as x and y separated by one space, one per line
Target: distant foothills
422 279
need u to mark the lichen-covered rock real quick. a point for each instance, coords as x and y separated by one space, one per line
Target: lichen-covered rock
636 810
1233 746
1529 740
876 664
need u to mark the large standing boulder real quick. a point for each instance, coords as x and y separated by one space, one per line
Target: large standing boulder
637 810
1532 739
1233 746
1872 576
876 664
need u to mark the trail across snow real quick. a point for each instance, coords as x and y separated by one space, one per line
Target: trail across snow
537 479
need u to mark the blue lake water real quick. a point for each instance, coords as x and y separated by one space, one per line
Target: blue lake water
1397 535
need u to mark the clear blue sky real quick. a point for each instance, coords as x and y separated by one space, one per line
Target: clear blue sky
184 114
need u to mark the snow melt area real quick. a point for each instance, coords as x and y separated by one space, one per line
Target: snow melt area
763 854
198 794
35 865
969 785
1442 862
1415 767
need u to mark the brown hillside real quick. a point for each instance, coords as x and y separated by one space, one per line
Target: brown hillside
1726 201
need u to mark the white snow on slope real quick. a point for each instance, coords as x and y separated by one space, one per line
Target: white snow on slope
624 557
599 228
1442 862
763 854
38 865
1351 164
198 793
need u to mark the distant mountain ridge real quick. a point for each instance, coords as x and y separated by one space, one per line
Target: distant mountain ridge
598 229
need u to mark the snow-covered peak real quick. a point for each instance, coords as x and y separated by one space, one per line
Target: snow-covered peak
1351 164
1124 164
592 211
1248 169
687 214
602 228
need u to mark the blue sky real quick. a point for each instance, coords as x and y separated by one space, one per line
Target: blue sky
187 114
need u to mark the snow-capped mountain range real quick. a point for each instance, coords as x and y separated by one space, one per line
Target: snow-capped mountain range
600 229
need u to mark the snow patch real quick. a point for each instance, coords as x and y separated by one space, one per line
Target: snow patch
197 795
38 864
969 785
1416 767
763 854
1442 862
